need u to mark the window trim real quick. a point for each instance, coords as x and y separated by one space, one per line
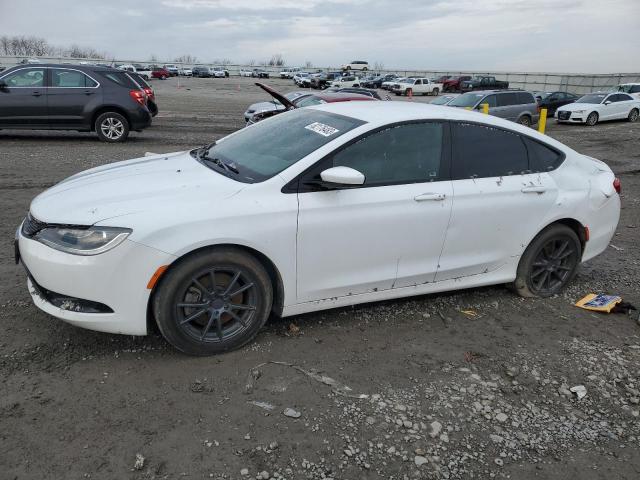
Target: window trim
74 70
562 155
296 185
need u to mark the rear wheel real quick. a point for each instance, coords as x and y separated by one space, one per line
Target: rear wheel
435 92
525 121
163 77
592 119
633 115
213 302
112 127
549 262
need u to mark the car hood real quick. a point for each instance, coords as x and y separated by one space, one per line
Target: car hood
265 106
572 107
133 186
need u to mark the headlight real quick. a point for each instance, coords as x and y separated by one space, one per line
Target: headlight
82 241
578 111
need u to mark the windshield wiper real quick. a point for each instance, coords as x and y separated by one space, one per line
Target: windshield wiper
202 153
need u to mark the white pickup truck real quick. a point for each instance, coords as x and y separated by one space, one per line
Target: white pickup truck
144 72
417 86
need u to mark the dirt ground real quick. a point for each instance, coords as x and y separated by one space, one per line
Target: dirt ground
434 392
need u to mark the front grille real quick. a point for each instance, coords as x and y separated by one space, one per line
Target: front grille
564 115
31 226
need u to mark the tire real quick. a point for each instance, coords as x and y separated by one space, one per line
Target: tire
356 86
365 69
218 327
163 77
525 121
435 92
408 92
592 119
146 77
633 115
556 247
112 127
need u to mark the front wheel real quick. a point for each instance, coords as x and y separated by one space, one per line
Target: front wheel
163 77
633 115
525 121
213 301
592 119
435 92
549 262
112 127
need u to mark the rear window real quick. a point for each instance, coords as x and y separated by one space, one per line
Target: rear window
507 99
120 78
524 98
541 157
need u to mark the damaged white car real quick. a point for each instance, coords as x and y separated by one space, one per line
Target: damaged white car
319 207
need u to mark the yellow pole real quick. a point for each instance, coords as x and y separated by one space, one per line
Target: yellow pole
467 108
485 108
542 123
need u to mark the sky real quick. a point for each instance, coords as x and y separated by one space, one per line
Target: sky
575 36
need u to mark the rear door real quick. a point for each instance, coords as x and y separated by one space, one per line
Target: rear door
502 195
72 95
23 102
508 107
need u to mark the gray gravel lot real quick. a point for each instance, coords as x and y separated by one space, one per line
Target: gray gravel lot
435 390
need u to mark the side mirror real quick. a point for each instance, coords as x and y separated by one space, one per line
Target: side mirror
3 85
342 176
608 102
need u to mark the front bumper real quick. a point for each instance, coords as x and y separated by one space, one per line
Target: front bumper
116 280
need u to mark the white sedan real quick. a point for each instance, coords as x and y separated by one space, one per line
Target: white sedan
597 107
320 207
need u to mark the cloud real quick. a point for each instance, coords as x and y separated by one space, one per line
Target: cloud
524 35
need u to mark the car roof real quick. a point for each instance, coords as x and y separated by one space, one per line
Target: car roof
491 92
76 66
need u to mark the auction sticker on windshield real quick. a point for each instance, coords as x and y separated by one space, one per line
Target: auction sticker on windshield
322 129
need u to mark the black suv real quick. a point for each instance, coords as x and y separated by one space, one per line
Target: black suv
73 97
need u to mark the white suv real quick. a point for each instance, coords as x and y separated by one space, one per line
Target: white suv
347 81
632 89
357 65
289 72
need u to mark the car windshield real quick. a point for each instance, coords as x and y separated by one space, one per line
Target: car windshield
592 98
259 152
467 100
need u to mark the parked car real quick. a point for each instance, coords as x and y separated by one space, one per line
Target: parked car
185 71
148 90
245 73
259 73
356 65
553 100
483 82
262 107
362 91
517 106
341 219
161 73
440 79
445 99
220 72
632 89
143 71
72 97
289 72
452 84
417 86
172 69
377 81
304 101
346 81
202 71
598 107
323 80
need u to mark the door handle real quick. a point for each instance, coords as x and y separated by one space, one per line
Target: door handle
434 197
36 94
88 92
538 190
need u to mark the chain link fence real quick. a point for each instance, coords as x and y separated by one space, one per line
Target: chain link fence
540 81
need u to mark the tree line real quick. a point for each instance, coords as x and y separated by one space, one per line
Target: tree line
30 46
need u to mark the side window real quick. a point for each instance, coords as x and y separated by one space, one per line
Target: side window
408 153
70 78
541 157
614 98
418 82
29 78
507 99
624 97
635 89
523 98
491 100
480 151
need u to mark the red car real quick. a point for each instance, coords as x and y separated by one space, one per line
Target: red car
161 73
452 84
306 101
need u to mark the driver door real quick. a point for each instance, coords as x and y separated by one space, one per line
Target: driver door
384 234
23 100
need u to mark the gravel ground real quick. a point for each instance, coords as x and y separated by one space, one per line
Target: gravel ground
474 384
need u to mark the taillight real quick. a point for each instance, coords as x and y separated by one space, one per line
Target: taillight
617 185
139 96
